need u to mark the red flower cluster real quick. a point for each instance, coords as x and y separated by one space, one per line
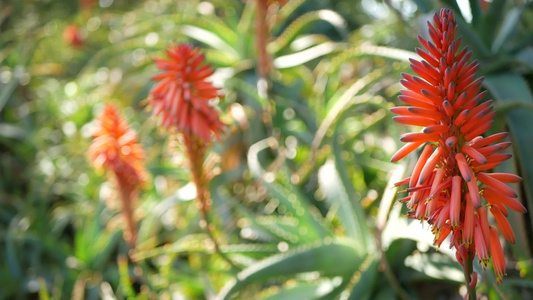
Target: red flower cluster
115 148
72 36
449 178
181 98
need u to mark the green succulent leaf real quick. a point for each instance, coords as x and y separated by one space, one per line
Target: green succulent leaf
508 29
473 40
304 56
475 8
340 200
491 21
287 194
304 290
297 26
366 279
425 6
336 258
7 91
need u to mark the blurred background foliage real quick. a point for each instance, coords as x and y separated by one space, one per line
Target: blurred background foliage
303 202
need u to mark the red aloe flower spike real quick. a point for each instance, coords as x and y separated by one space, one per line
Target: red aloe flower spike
116 149
181 98
445 98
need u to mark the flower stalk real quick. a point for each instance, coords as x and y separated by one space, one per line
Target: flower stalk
262 27
115 148
181 99
264 63
127 199
470 277
196 149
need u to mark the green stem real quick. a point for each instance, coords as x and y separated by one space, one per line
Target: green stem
264 64
126 192
196 151
467 270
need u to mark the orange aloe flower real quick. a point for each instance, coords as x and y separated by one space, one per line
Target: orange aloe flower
72 36
115 148
450 176
181 97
